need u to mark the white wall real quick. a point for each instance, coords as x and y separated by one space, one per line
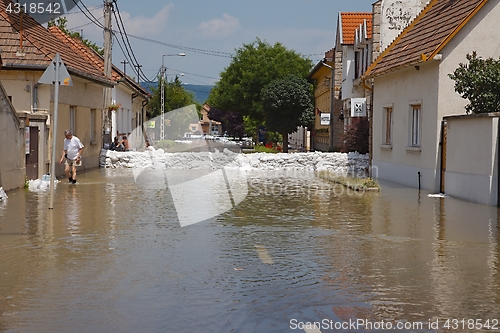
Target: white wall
472 158
400 89
395 16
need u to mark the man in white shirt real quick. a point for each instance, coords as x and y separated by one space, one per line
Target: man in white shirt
72 152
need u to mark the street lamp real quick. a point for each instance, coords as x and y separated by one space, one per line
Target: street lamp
162 75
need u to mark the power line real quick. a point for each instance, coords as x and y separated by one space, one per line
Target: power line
126 41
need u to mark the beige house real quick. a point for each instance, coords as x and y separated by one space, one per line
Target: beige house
412 90
128 96
27 50
326 97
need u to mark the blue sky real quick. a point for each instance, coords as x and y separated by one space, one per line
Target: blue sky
210 26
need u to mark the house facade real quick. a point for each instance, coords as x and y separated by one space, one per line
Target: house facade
27 50
128 97
412 90
326 98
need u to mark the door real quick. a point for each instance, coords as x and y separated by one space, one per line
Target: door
32 157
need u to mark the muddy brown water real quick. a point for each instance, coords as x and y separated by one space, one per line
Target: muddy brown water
112 257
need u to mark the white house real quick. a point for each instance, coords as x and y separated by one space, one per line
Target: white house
413 92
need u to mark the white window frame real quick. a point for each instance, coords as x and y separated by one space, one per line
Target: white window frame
415 124
387 126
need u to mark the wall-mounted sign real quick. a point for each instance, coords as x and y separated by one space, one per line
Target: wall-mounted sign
325 119
27 138
358 107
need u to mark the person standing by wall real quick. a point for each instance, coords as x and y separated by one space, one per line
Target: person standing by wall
72 152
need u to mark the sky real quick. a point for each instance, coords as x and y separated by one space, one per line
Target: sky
209 31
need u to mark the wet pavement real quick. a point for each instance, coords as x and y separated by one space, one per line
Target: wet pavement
112 257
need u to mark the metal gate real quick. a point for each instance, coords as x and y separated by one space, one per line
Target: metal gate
32 157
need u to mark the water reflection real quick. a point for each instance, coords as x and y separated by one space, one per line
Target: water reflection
111 256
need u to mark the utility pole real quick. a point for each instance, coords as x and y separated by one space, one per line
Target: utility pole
108 7
138 71
125 62
162 117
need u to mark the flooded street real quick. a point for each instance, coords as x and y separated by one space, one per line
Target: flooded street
112 257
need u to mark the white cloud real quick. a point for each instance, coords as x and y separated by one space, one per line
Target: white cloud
220 27
142 25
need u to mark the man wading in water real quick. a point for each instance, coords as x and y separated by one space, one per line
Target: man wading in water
72 152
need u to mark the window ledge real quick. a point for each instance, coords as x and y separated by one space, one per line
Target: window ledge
93 142
413 149
385 147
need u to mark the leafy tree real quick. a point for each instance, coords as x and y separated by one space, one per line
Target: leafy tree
287 104
232 122
253 67
61 23
174 94
479 82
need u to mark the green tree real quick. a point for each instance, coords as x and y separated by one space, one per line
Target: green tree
287 104
479 82
61 23
175 97
253 67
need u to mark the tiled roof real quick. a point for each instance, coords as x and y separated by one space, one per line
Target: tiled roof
349 22
94 58
438 22
39 47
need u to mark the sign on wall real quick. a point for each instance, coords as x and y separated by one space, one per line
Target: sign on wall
358 107
325 119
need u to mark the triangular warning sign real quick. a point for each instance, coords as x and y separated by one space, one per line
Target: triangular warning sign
49 76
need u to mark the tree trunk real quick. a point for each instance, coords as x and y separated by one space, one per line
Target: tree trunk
285 142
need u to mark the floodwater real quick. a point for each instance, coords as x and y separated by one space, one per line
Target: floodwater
112 257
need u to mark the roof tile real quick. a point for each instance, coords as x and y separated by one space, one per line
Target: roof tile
425 35
39 46
350 21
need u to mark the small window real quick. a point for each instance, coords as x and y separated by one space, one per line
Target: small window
93 125
415 124
72 119
388 126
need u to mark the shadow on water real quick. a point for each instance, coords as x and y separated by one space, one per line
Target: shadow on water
111 256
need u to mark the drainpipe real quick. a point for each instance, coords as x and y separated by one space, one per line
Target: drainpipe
419 176
441 180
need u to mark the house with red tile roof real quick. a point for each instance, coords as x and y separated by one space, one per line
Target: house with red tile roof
412 91
26 50
353 30
128 96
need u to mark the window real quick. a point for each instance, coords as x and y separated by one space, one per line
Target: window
388 125
93 119
415 124
72 119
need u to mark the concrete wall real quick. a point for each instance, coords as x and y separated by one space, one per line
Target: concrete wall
472 158
12 149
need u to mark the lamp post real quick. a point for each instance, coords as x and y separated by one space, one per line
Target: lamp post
162 75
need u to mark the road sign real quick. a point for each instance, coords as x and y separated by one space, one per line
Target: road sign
49 76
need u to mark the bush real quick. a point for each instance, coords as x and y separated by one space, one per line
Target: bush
357 136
